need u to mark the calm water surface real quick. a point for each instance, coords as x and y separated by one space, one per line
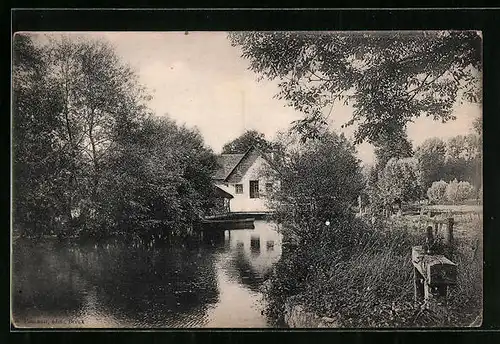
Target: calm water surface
114 284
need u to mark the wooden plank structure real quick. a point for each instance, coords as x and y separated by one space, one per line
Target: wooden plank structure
433 272
227 224
212 228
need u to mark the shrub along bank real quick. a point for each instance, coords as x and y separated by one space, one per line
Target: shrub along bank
362 276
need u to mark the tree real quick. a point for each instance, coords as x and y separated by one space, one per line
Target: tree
393 146
389 78
398 181
463 158
320 180
101 98
40 159
457 192
458 158
89 157
74 100
437 192
431 161
248 139
159 181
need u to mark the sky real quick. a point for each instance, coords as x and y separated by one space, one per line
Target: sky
200 80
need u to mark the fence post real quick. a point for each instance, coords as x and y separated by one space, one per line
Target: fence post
429 240
436 229
449 237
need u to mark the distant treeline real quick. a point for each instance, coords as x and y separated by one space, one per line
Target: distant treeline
405 175
89 158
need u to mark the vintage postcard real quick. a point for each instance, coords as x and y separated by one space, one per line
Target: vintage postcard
166 180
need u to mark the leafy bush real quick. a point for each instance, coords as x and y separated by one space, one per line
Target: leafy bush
458 191
437 192
160 180
320 179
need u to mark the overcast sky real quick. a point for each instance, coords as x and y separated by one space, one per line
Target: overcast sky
199 79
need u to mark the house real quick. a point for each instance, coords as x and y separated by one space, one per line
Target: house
244 177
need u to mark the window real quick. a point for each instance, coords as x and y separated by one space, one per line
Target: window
269 187
254 189
238 188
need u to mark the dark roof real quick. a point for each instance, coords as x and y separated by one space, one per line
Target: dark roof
227 163
221 193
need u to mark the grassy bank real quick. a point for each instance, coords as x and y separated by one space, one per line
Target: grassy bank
365 278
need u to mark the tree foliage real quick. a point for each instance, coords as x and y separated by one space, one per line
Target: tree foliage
389 78
320 180
159 181
398 181
458 158
40 161
394 146
431 158
437 192
457 192
246 140
89 157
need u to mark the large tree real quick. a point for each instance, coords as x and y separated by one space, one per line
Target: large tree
431 158
395 146
73 99
159 180
88 155
40 160
389 78
101 100
460 157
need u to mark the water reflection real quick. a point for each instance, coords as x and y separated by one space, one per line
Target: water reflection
115 284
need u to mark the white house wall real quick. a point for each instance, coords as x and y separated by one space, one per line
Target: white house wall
243 202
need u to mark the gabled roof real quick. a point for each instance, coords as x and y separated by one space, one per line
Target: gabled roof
229 162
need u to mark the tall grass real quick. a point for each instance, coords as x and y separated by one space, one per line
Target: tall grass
363 277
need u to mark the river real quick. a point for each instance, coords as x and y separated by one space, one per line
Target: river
112 284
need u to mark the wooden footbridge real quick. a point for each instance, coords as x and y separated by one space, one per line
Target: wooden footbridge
213 227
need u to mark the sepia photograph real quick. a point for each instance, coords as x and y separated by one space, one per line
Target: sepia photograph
246 179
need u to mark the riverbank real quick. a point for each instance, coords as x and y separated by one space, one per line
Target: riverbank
372 286
297 316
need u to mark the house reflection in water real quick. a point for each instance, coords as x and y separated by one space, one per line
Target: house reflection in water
254 252
255 244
